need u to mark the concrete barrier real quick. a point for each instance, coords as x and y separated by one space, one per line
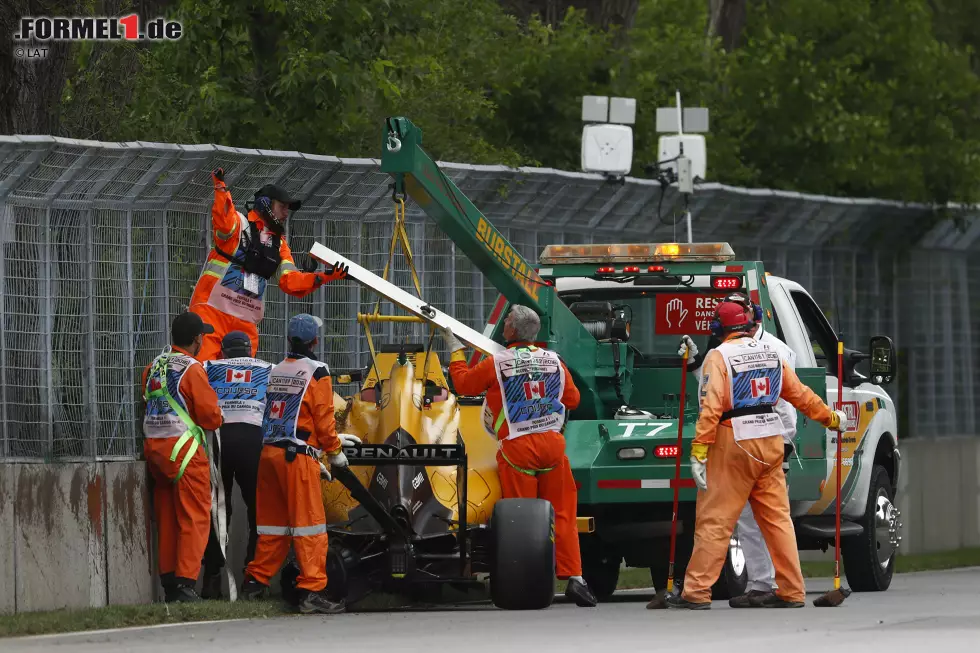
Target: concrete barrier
79 535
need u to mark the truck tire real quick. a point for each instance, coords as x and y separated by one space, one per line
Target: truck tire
869 558
734 577
602 575
522 564
732 581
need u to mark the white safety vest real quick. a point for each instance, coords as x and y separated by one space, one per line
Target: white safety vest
532 382
160 419
288 384
240 384
755 374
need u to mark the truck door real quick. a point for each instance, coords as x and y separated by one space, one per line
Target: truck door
860 404
808 471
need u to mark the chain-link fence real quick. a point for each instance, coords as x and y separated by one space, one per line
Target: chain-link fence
103 243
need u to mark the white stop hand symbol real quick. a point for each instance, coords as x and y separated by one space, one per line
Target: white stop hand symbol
675 307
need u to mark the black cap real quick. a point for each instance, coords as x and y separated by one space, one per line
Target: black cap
236 344
186 327
274 192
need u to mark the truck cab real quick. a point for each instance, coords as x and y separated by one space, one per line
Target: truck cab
639 299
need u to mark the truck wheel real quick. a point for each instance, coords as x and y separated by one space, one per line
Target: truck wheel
287 581
601 574
734 576
869 558
522 564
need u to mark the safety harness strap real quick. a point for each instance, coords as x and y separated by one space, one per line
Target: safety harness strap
528 472
193 432
743 412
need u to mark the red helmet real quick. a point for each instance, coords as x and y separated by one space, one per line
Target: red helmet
734 314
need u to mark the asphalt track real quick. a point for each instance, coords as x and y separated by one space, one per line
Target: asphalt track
935 612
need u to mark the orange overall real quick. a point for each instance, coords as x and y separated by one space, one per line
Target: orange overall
535 451
182 506
247 310
735 474
289 507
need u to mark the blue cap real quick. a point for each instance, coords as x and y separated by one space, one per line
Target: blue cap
304 327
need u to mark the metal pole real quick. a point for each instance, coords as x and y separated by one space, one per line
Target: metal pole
91 390
165 267
131 335
690 238
5 211
48 333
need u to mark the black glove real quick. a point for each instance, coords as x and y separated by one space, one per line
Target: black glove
219 174
788 449
310 264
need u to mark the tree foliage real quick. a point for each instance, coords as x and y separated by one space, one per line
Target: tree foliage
864 97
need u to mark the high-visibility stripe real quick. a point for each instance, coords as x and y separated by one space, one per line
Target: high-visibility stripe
636 484
297 531
225 235
286 267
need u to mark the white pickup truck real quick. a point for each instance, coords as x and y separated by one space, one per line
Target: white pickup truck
662 292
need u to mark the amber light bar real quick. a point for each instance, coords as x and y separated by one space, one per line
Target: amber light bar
629 253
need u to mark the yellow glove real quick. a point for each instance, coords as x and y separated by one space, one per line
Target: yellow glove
699 451
837 418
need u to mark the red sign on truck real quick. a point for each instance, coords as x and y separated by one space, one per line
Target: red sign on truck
685 313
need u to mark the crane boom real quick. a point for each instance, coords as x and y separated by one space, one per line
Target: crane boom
419 177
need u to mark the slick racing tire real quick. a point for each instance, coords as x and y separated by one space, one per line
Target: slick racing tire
869 558
522 564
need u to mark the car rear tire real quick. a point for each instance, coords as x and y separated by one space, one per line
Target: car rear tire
869 558
522 565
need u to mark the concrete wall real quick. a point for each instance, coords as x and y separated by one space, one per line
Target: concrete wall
939 494
73 535
77 535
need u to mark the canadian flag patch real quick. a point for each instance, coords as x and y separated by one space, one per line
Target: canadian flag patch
277 409
238 376
534 390
760 387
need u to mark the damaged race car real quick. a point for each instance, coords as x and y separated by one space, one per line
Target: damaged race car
419 506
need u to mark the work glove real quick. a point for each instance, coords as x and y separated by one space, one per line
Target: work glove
336 271
838 421
348 440
687 345
310 264
325 473
218 175
338 459
452 342
699 470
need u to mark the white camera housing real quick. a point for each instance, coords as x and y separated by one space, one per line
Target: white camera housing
694 149
607 148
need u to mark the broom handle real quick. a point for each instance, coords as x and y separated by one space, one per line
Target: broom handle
840 437
677 474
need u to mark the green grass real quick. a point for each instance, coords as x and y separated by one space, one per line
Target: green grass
121 616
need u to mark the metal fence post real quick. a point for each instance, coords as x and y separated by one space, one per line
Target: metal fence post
91 390
131 335
48 320
5 211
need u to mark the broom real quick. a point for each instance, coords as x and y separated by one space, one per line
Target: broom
837 595
659 602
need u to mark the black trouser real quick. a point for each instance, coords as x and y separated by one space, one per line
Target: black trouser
241 448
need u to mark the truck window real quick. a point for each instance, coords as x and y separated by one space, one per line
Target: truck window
821 335
659 318
779 327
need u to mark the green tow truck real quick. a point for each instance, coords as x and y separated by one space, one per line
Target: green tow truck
615 314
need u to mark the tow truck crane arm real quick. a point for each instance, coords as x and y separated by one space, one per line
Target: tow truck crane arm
417 175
